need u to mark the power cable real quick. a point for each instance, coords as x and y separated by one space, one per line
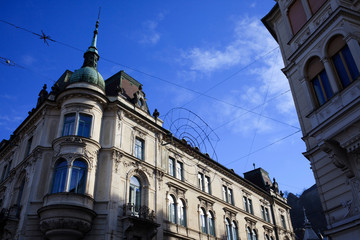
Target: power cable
232 75
44 37
259 149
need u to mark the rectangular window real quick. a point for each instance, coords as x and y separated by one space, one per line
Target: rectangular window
297 16
267 215
201 181
80 126
172 167
28 147
139 148
84 125
283 223
250 206
179 171
263 212
246 207
69 124
225 196
207 185
230 196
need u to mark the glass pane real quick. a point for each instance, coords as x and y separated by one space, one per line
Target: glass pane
84 125
249 234
245 204
181 213
231 201
201 181
326 84
203 221
139 148
354 72
211 224
228 230
171 166
318 91
78 177
250 206
135 195
179 171
234 231
340 69
254 235
267 214
59 179
69 123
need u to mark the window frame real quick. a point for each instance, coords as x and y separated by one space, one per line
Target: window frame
139 148
72 127
348 64
171 166
181 208
135 195
283 221
172 209
62 176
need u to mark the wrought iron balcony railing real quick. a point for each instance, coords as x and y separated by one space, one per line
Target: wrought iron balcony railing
143 212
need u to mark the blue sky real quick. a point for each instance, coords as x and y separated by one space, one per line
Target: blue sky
176 49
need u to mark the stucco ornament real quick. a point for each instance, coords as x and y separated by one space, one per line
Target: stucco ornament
338 156
117 155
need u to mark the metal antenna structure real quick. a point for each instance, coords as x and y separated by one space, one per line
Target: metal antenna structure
187 125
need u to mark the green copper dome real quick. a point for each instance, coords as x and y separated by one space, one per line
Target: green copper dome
89 75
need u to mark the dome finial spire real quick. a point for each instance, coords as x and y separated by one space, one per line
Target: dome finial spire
93 43
91 56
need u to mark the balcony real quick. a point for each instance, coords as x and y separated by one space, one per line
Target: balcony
139 222
66 216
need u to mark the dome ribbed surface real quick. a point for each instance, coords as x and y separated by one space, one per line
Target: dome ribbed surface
89 75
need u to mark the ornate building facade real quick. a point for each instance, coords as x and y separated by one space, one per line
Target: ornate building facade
319 42
91 162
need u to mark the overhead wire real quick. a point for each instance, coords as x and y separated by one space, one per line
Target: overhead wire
259 149
159 78
258 120
46 37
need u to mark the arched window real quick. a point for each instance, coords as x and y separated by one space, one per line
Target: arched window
60 175
234 231
254 235
135 195
203 224
78 177
319 81
171 209
228 230
181 212
211 223
267 237
249 233
343 61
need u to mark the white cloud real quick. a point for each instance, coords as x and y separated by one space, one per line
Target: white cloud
149 34
250 39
